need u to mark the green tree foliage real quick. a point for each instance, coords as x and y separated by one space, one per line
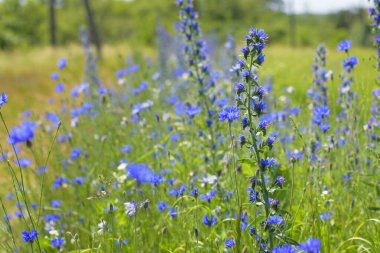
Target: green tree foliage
25 23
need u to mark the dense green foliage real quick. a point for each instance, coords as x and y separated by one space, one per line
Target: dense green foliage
26 23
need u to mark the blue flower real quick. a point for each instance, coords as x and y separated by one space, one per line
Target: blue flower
78 180
173 213
264 124
126 149
275 220
161 206
3 99
259 33
56 203
192 111
268 162
22 133
141 173
230 243
222 102
62 63
312 245
229 113
325 216
295 155
23 162
7 217
54 76
75 153
52 117
208 196
350 63
280 180
29 236
321 111
344 45
284 249
57 242
52 217
239 87
60 181
209 220
253 195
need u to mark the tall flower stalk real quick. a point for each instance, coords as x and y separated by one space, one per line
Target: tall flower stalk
374 121
319 107
198 70
250 100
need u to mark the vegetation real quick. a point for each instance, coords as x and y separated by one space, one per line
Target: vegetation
194 146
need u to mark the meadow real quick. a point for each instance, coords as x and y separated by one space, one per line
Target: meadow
196 145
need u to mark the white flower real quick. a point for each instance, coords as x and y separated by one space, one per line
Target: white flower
289 89
122 166
130 208
121 179
209 179
102 226
121 81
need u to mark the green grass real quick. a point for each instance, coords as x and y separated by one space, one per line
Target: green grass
353 227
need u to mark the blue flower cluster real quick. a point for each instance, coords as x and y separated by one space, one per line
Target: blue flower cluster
3 99
250 100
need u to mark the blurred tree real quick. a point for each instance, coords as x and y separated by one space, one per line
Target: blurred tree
53 28
93 29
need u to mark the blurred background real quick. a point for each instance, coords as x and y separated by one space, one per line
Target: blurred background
39 23
34 34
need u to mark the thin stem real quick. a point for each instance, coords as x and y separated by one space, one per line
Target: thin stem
238 230
22 182
43 172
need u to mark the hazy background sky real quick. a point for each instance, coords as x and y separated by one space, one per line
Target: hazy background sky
324 6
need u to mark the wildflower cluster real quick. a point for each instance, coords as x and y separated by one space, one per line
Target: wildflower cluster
373 124
249 100
199 72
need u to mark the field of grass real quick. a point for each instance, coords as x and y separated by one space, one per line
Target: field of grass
131 172
25 75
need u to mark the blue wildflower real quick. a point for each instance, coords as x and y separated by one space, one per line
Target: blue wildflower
3 99
161 206
22 133
62 63
325 216
253 195
54 76
141 173
209 220
57 242
192 111
126 149
312 245
230 243
78 180
173 213
29 236
280 180
275 220
60 181
344 45
52 217
350 63
56 203
229 113
268 162
208 196
52 117
284 249
75 153
23 162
